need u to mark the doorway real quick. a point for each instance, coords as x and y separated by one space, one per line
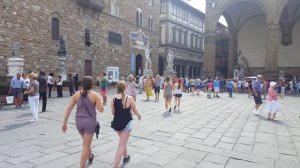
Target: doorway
139 65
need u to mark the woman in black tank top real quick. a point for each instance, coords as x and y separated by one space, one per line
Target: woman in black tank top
121 107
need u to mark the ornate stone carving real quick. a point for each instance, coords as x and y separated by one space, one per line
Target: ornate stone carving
95 5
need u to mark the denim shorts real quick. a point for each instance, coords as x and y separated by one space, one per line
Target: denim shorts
128 127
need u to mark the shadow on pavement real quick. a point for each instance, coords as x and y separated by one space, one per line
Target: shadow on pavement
14 126
166 114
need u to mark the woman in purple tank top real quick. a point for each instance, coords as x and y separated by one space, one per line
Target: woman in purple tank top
121 107
86 101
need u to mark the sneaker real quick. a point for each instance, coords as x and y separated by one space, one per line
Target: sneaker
32 120
91 159
126 160
256 112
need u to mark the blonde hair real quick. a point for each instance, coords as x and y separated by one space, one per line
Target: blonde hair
121 87
33 75
130 78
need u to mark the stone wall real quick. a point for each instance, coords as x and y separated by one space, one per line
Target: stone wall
29 22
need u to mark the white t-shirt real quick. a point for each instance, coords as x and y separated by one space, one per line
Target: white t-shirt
176 90
50 80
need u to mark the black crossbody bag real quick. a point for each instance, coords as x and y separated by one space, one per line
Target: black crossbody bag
97 129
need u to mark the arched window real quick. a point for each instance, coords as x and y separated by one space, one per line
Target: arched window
55 28
115 8
150 23
139 18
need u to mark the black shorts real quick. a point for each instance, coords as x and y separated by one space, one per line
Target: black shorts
178 95
156 89
257 99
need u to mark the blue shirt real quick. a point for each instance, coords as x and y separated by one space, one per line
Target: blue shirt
17 83
257 86
230 85
216 83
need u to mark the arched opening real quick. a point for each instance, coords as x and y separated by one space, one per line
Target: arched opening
246 32
222 48
288 57
139 65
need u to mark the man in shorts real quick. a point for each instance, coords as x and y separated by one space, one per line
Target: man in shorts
257 90
103 88
16 86
216 87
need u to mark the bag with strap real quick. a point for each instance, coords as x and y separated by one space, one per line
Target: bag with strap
97 129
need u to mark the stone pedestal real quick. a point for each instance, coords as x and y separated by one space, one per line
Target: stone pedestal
15 65
61 68
147 72
236 73
170 73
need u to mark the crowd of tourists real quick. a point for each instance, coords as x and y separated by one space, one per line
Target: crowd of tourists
33 87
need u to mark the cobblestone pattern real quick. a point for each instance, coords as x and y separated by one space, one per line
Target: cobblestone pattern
204 133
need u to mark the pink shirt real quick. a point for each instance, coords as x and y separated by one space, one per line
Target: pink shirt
272 95
210 85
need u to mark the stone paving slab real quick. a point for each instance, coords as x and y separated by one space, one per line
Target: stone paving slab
204 133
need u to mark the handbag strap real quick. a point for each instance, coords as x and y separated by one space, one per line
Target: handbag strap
85 106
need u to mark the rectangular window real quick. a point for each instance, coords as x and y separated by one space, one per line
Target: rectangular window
185 38
184 15
179 37
173 9
179 13
174 35
201 42
115 38
163 8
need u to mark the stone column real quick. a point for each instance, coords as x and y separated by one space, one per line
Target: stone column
232 55
210 54
273 41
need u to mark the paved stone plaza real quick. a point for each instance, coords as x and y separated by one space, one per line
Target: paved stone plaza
205 133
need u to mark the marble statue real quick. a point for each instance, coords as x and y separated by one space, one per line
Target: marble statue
148 60
170 59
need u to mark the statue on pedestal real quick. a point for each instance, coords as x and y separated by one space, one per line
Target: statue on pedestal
241 64
148 60
169 69
148 63
16 62
62 47
170 59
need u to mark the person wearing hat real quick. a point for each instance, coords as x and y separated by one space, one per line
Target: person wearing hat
257 90
59 86
272 104
33 96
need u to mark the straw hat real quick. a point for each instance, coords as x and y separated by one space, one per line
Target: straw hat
272 83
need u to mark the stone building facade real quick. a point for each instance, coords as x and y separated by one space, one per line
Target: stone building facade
93 40
265 31
181 32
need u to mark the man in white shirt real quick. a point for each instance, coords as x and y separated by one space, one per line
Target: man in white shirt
50 83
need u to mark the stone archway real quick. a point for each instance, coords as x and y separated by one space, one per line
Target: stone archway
240 14
288 55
